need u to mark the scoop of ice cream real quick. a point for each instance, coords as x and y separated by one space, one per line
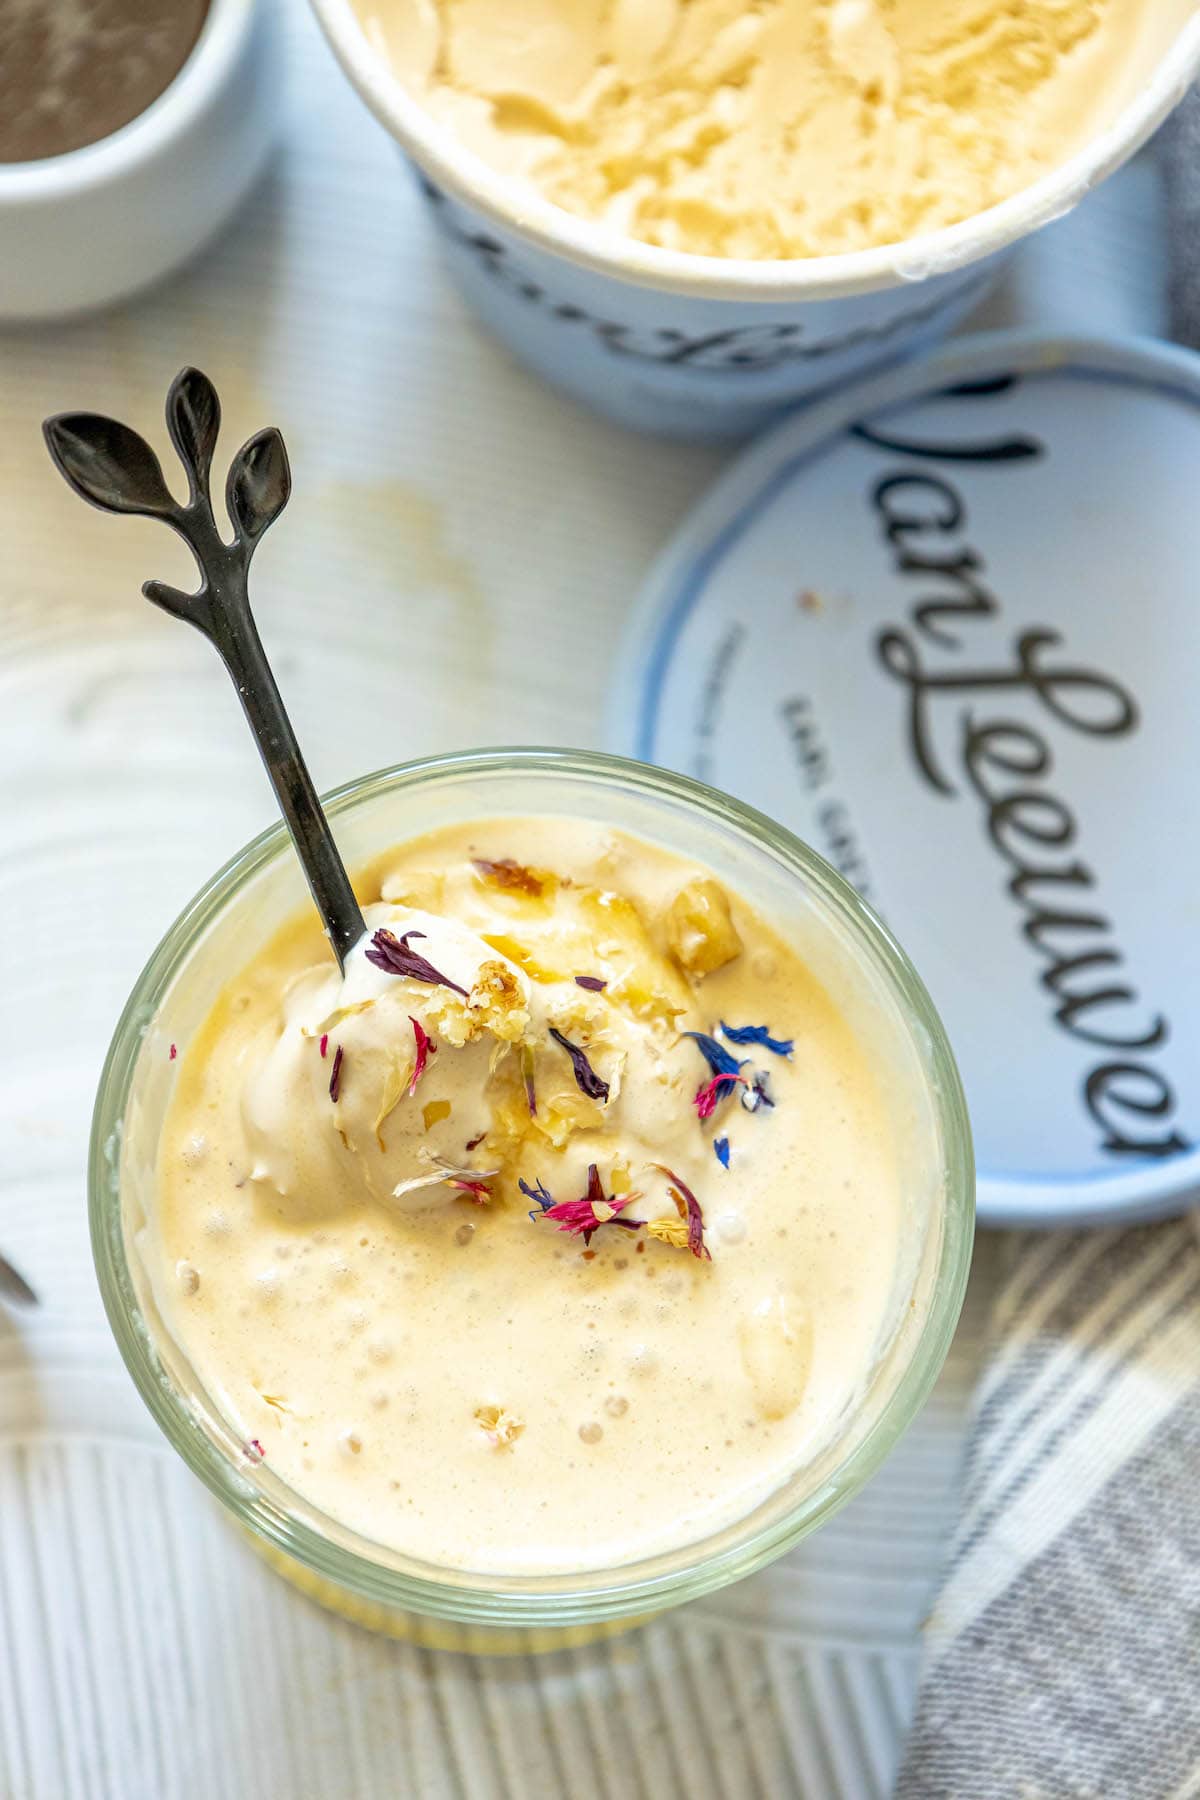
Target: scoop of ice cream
379 1080
525 1030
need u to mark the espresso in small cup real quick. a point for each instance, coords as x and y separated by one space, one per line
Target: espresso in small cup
71 74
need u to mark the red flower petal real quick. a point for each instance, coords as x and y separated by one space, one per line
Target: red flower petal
479 1191
425 1049
579 1216
710 1096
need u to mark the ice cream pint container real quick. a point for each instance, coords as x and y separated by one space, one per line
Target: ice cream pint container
677 363
710 346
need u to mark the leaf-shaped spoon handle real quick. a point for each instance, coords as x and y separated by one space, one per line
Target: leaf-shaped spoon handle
113 468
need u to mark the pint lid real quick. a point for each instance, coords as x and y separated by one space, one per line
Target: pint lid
946 627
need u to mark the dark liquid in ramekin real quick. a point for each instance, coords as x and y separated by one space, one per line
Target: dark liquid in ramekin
71 74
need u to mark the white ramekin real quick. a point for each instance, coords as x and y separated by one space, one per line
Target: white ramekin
697 346
83 229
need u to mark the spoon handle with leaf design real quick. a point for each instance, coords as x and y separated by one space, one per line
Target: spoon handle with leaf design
114 468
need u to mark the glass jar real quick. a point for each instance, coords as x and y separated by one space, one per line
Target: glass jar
849 950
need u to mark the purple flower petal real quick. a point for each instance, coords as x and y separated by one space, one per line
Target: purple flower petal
758 1093
721 1146
335 1079
593 983
586 1077
688 1203
527 1078
393 956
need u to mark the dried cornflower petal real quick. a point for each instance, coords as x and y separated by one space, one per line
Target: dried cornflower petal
479 1191
710 1095
538 1193
501 1428
758 1034
719 1060
758 1093
324 1044
335 1079
393 956
592 983
443 1170
721 1147
583 1218
255 1451
689 1208
509 874
527 1078
585 1076
172 1053
425 1049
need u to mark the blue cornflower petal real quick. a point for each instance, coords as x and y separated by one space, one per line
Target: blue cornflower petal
758 1034
721 1146
544 1198
719 1060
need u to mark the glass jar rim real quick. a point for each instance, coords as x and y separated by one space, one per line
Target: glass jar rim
592 1595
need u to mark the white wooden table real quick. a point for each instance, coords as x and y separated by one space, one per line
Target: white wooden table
455 569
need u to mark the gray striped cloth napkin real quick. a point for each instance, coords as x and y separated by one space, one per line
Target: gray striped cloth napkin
1179 143
1063 1652
1062 1657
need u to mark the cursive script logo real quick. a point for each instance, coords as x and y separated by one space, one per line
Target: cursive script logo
986 728
733 350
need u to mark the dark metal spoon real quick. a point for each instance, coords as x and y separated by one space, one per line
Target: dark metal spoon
113 468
